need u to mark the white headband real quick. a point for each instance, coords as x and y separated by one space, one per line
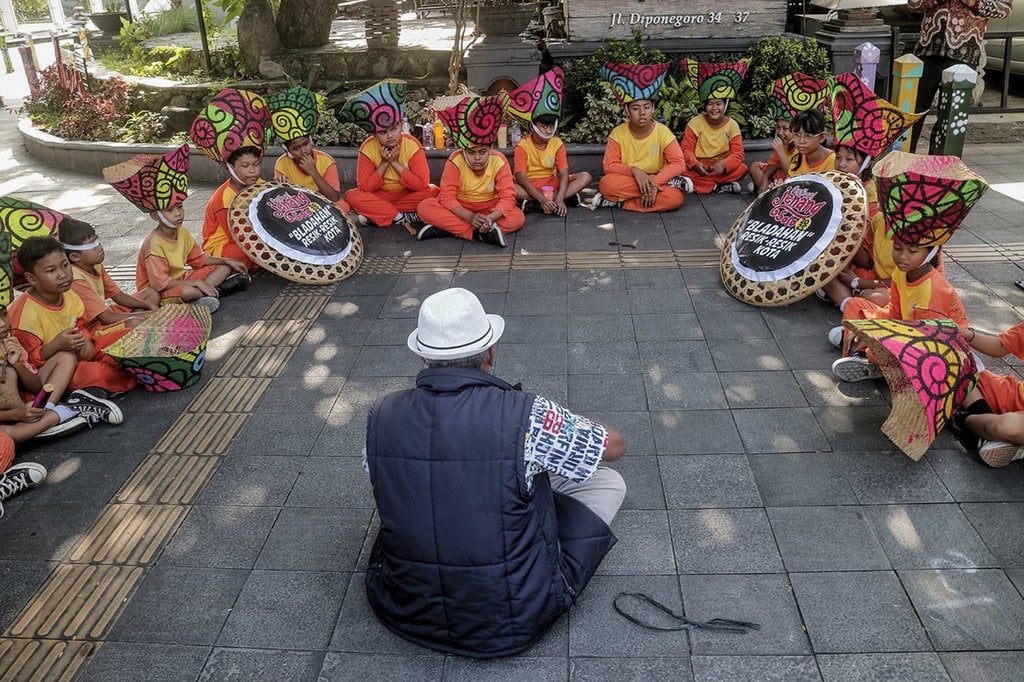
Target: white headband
541 135
82 247
164 220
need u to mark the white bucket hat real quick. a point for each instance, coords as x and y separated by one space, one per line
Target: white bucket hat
453 325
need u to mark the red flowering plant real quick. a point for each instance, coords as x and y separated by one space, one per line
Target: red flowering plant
67 109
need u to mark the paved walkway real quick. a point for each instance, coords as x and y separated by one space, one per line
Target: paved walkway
222 532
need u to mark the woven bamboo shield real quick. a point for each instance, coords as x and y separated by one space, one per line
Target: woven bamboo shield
794 239
930 369
295 233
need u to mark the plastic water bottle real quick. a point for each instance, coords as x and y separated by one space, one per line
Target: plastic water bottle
515 134
405 125
428 135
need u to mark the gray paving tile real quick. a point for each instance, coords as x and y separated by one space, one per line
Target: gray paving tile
755 668
119 661
272 431
892 478
536 329
763 599
386 361
177 605
252 481
854 427
803 354
599 329
968 479
482 282
695 481
336 482
331 360
261 664
801 479
91 480
46 531
595 629
701 278
358 630
507 669
779 430
661 301
826 539
667 327
696 432
635 427
676 356
285 609
997 524
724 541
618 357
547 282
346 305
998 666
606 393
596 302
318 539
654 278
643 482
820 388
714 301
390 332
591 280
588 669
746 324
924 667
679 390
530 358
551 386
755 389
858 612
644 547
20 579
967 610
928 536
343 667
317 392
220 537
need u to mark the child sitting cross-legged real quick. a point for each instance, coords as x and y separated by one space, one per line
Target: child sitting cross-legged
392 175
540 161
49 321
94 286
642 156
478 196
712 146
159 185
919 291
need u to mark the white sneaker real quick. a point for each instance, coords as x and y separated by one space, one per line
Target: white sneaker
835 336
751 188
996 453
65 428
361 219
855 368
211 302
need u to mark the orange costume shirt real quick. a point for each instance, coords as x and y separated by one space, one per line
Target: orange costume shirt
324 165
704 143
798 164
94 289
162 260
658 153
414 178
461 185
538 163
1003 393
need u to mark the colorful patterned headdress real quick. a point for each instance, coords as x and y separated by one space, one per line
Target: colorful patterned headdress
863 120
152 183
797 92
540 97
930 369
294 112
232 120
474 120
924 199
377 108
19 220
631 82
720 80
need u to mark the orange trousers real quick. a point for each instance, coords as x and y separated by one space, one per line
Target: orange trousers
199 273
432 212
104 372
705 184
231 250
1004 394
381 207
624 188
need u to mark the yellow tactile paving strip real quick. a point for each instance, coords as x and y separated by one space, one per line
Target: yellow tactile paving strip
68 619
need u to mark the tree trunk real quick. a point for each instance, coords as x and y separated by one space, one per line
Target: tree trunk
305 23
257 35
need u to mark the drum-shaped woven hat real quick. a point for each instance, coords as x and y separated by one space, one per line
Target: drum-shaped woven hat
930 369
296 233
795 238
166 351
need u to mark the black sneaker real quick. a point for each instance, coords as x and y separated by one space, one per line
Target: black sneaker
234 283
430 232
410 217
529 206
493 236
573 201
65 428
18 478
94 409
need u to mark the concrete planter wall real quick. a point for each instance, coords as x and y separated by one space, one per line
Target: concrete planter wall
93 157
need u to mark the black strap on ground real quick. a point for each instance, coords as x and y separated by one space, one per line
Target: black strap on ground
716 624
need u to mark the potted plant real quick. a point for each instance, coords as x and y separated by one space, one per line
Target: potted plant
503 17
109 20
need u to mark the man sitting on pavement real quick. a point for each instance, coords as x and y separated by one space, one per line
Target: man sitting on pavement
494 503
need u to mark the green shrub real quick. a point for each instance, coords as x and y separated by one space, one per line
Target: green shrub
180 19
771 58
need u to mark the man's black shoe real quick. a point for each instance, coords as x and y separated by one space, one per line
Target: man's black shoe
493 236
233 284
